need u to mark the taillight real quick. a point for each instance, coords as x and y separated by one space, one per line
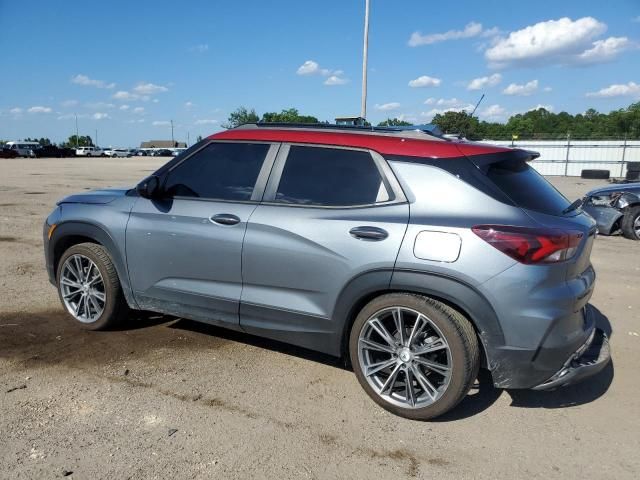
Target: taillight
531 245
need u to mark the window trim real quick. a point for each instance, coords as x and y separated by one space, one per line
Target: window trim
386 174
261 180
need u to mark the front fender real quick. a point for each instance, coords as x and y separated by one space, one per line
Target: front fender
67 231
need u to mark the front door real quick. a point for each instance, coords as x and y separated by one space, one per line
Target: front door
328 216
184 250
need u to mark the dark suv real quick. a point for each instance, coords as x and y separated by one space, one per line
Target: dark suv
419 258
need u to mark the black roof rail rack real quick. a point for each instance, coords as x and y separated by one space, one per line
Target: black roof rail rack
428 129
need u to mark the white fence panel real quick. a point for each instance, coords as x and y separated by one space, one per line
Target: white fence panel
570 157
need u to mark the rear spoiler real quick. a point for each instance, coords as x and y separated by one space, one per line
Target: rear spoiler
483 161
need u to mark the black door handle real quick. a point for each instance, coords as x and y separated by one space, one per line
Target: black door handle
225 219
369 233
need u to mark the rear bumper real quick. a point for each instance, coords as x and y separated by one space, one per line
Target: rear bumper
588 360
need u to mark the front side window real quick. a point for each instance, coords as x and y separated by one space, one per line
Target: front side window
222 171
322 176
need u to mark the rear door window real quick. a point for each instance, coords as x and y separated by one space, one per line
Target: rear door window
322 176
527 188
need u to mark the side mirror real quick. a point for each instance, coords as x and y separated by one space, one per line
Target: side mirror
149 187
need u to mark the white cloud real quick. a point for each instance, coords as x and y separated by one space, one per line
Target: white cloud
387 107
16 110
493 113
149 89
472 29
124 107
138 110
521 90
335 80
140 120
309 68
69 103
484 82
161 123
547 89
100 116
630 89
124 95
90 82
548 108
556 42
445 102
39 109
206 121
200 48
189 105
99 105
425 81
604 50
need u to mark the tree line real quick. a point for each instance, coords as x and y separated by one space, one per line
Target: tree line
535 124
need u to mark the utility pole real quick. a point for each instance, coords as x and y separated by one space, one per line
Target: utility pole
77 130
188 139
172 141
96 137
365 54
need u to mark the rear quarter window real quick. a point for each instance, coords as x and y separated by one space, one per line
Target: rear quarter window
526 187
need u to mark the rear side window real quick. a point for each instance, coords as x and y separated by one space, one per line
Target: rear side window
222 171
527 188
332 177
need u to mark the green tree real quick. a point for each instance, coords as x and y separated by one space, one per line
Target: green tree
80 141
394 122
241 116
290 115
460 123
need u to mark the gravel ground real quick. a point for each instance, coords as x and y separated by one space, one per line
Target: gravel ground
173 398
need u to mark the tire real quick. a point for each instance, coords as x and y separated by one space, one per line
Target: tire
461 355
596 174
631 223
115 308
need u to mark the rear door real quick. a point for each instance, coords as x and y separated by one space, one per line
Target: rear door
329 214
184 251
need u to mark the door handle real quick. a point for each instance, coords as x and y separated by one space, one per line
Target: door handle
369 233
224 219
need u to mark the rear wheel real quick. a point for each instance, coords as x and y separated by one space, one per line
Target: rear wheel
89 288
414 356
631 223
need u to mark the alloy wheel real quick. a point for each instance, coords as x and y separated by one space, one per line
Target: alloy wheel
404 357
82 288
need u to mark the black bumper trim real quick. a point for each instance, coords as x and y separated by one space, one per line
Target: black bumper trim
588 360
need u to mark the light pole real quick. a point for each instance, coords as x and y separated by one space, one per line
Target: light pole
96 137
172 140
365 54
76 130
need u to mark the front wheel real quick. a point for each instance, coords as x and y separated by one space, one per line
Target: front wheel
89 288
414 356
631 223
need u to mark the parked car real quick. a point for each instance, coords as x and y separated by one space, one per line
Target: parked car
117 152
23 149
162 152
8 153
53 151
616 209
89 152
420 259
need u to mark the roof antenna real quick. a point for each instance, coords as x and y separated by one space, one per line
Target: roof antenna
462 134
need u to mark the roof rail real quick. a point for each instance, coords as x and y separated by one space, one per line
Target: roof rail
428 129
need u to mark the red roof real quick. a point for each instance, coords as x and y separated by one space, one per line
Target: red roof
383 144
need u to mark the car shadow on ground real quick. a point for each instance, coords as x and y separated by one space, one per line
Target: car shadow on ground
483 394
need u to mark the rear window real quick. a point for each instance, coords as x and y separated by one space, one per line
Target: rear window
527 188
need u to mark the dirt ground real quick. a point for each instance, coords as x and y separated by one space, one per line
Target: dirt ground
168 398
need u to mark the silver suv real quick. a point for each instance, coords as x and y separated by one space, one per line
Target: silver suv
419 258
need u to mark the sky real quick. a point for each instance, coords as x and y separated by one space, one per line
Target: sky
129 68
